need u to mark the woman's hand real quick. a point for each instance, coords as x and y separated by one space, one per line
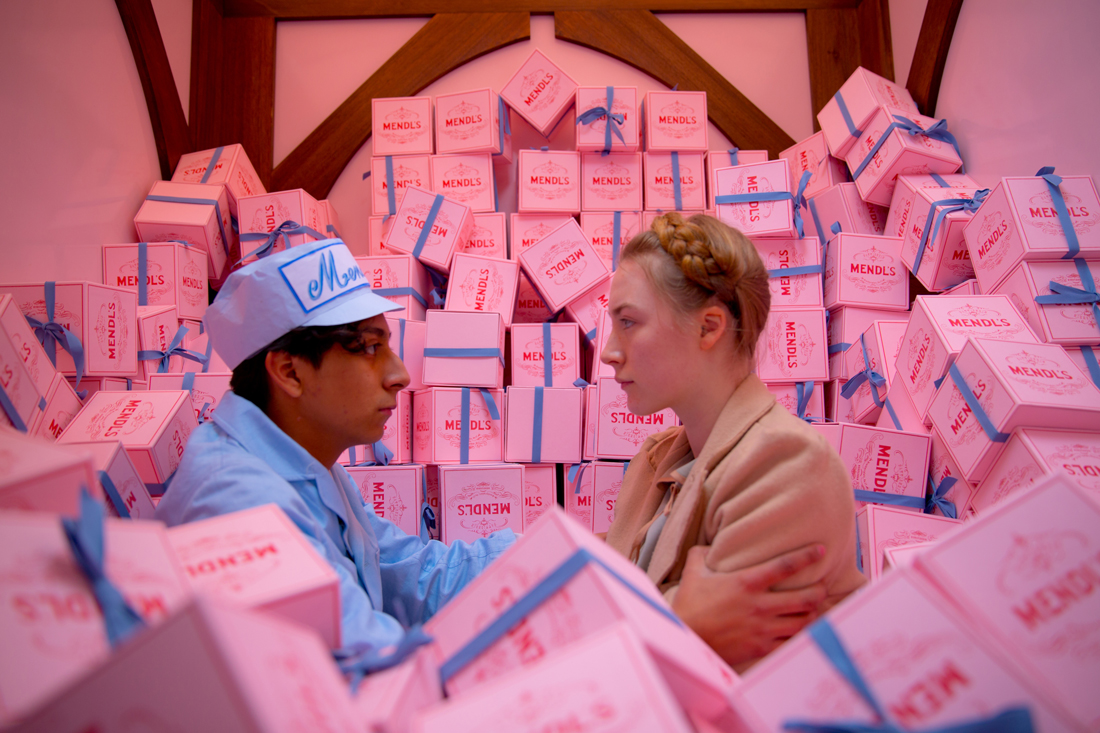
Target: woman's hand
737 613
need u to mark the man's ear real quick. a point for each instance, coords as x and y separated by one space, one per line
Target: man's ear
714 321
282 373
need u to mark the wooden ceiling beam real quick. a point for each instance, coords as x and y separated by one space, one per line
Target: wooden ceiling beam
930 56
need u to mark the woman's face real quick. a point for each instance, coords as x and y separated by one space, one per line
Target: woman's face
651 350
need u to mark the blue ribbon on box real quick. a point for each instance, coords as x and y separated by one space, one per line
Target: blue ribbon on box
745 198
174 349
111 491
504 125
396 292
429 222
1069 295
360 659
733 155
490 403
539 594
800 203
427 514
1090 361
332 230
284 230
1011 720
937 497
201 202
883 497
614 120
1053 183
893 415
940 180
547 357
86 541
972 402
401 339
380 455
210 166
536 428
795 271
439 287
852 129
867 375
143 272
839 347
948 205
464 353
616 238
9 409
576 473
51 333
581 383
804 390
859 550
189 385
391 195
937 131
159 489
677 193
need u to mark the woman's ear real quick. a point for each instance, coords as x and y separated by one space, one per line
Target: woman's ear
714 322
282 373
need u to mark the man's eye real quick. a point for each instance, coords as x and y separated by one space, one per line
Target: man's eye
371 349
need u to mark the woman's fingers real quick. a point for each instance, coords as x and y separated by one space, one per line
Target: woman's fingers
800 600
774 571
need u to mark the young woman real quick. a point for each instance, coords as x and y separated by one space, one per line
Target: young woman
743 481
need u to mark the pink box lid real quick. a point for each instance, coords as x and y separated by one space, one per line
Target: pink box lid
488 237
593 136
527 357
549 180
466 178
563 265
611 182
561 427
793 346
483 285
862 94
540 92
448 329
676 121
885 527
479 499
886 461
867 270
528 229
450 229
401 125
468 122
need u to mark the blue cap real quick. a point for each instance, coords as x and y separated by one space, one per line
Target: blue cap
314 284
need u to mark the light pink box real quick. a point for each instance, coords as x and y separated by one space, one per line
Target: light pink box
621 690
1018 223
529 229
866 270
592 137
591 420
196 339
563 266
836 405
757 218
207 389
611 182
387 701
903 204
660 179
603 333
174 275
110 457
902 556
401 125
970 287
51 628
408 170
881 527
886 462
396 437
232 168
587 310
549 180
830 431
793 346
266 213
40 476
470 122
812 154
846 323
457 330
676 121
902 154
62 405
210 667
813 393
1031 455
607 480
903 414
945 262
478 500
792 290
938 329
450 229
943 466
379 229
726 159
863 93
540 491
562 420
258 559
529 352
1012 573
488 237
842 206
332 220
392 492
466 178
599 227
619 432
154 427
437 426
579 497
107 384
920 659
1017 384
540 92
393 277
407 341
207 226
591 601
882 339
530 307
103 317
26 372
1069 325
157 328
483 285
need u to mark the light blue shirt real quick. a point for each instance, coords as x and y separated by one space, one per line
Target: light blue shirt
241 459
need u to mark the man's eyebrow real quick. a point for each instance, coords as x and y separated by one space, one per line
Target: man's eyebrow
373 330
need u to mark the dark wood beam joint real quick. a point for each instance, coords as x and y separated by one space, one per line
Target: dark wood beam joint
930 56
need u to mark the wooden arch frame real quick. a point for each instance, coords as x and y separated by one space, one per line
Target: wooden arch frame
232 96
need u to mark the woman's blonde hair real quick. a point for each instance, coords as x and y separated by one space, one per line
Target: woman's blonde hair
696 262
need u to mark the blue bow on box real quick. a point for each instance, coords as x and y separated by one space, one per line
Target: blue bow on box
284 230
938 131
51 333
164 358
615 120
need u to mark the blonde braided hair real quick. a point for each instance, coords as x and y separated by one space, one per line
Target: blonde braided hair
700 260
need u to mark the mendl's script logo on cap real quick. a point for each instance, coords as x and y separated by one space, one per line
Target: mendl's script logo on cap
323 275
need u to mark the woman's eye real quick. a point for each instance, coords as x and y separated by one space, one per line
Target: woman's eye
626 322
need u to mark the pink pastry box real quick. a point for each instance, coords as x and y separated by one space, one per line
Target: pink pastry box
157 329
407 341
466 178
531 351
587 310
1015 384
51 628
611 182
207 389
124 493
846 323
1018 222
332 225
262 215
619 432
844 116
196 213
878 350
401 125
1066 324
943 467
559 414
103 317
477 500
599 227
902 413
812 154
1018 574
472 122
562 266
196 339
909 210
810 396
228 165
388 700
676 121
258 559
540 491
727 159
549 180
62 404
865 270
607 481
530 307
448 337
597 345
400 278
592 136
881 527
379 229
488 237
757 218
540 92
784 254
154 427
408 171
483 285
175 274
41 476
529 229
26 373
449 230
882 462
841 206
437 426
661 171
793 346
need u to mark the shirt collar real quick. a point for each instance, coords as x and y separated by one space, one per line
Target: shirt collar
248 425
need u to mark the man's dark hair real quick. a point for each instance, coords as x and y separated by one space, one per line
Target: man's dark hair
249 379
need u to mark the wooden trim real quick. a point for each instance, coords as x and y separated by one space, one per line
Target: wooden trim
446 42
876 51
317 9
930 56
638 38
833 38
170 131
207 44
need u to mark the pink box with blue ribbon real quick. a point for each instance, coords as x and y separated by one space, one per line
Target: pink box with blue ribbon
174 274
619 432
535 345
407 341
846 323
43 477
587 310
795 271
123 491
793 346
549 180
483 285
802 399
540 491
756 199
599 226
611 182
476 121
886 466
869 363
397 173
881 527
563 266
458 425
674 181
395 446
430 227
393 492
198 340
902 414
196 213
812 154
378 228
1057 298
727 159
840 209
463 349
207 389
466 178
402 125
161 339
62 404
27 369
478 500
332 220
273 222
676 120
951 491
228 165
544 424
843 116
401 279
593 133
867 271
